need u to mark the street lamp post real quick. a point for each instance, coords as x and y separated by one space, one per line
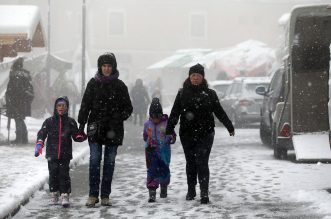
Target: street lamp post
83 45
48 71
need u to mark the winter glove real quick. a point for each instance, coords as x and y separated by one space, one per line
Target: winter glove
80 137
170 139
39 148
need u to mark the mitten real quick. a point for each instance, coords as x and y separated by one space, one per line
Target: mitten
170 139
173 140
39 148
81 136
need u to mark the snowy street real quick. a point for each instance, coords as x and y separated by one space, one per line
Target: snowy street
246 182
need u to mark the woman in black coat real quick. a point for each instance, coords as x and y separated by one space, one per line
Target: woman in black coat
195 105
19 96
105 106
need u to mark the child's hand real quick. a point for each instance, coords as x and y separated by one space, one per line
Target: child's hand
80 137
39 148
170 139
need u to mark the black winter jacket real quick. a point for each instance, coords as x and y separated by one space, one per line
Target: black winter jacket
58 130
195 106
19 94
108 104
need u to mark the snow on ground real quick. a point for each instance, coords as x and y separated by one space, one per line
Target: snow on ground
21 173
246 182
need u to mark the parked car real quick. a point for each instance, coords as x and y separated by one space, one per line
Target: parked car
241 102
220 86
271 96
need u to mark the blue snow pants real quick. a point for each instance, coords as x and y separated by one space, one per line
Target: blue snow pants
157 162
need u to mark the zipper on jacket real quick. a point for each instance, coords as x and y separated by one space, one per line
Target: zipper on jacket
60 138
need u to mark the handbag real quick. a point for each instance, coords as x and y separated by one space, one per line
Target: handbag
93 131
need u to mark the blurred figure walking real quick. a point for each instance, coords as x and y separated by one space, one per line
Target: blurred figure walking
19 96
140 101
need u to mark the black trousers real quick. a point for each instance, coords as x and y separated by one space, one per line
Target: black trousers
59 178
21 131
197 151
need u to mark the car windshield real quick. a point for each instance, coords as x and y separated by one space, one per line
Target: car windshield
221 87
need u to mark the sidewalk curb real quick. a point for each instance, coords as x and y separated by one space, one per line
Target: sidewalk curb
39 186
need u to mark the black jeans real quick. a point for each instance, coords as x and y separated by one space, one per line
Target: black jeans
59 178
197 151
21 131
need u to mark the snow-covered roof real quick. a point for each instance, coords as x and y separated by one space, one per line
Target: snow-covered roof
17 19
181 58
284 19
219 82
253 80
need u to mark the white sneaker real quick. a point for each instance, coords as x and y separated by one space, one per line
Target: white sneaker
54 197
65 200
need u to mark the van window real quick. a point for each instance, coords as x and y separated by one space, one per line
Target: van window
310 51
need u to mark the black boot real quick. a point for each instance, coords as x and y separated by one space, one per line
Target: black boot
204 197
191 193
152 195
164 192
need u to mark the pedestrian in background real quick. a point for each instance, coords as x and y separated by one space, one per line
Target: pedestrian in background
157 150
105 106
59 130
140 102
195 105
19 96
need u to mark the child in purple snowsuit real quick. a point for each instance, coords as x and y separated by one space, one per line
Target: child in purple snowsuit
157 150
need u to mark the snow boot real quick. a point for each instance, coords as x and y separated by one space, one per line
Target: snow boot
91 201
164 192
152 195
65 200
54 197
106 202
204 197
191 193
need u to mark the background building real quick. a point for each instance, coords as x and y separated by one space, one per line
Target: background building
145 31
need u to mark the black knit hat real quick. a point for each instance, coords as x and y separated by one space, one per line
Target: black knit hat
155 110
107 58
197 69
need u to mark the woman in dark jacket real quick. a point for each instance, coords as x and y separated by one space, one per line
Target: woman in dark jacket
105 106
19 96
195 105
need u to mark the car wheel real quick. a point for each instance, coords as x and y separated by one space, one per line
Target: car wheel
265 135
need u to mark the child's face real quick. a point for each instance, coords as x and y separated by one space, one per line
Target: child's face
61 108
156 119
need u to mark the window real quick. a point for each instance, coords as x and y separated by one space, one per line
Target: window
198 25
116 23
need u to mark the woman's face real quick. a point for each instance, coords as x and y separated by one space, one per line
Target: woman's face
106 69
196 78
